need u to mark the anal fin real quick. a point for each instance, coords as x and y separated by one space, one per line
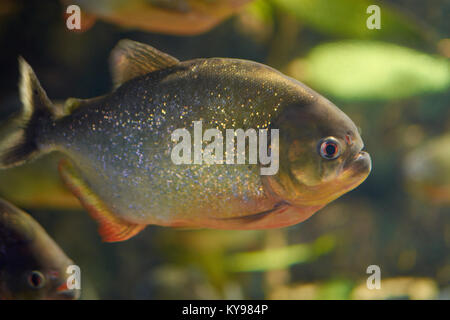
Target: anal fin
111 227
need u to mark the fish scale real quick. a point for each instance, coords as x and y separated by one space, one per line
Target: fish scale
131 130
119 145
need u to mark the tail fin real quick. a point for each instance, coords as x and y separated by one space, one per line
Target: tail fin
37 110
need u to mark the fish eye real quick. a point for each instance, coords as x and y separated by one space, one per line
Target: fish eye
329 148
36 279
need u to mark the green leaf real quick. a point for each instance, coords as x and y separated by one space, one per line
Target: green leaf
367 70
279 258
347 18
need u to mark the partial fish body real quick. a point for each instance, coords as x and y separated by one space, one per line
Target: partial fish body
32 265
119 145
178 17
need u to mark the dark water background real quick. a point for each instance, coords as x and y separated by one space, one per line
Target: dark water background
382 222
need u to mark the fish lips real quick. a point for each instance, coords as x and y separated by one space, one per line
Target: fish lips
360 165
64 293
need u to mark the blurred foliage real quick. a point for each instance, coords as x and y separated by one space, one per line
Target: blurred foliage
333 289
368 70
399 288
427 171
344 19
279 258
392 288
392 82
39 185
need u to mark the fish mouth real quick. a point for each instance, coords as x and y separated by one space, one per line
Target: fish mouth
64 293
356 170
353 173
360 164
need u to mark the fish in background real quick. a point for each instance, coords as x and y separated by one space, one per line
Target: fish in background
32 265
118 146
177 17
427 171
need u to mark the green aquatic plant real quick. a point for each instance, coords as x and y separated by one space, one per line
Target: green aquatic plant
347 18
369 70
279 258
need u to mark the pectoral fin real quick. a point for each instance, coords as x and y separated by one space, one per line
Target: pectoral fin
71 104
111 228
278 208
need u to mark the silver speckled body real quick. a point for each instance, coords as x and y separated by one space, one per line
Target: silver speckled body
121 144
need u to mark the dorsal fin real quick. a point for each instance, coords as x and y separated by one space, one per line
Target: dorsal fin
131 59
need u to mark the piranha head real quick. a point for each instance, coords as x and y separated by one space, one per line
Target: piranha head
321 155
41 282
32 265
